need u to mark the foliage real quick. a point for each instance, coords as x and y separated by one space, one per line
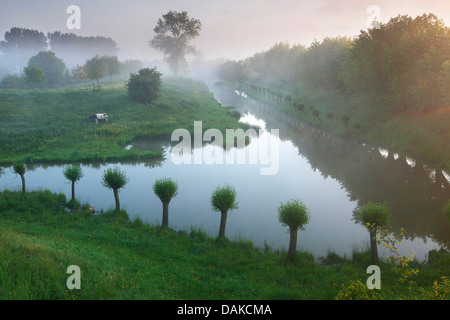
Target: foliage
19 168
113 65
114 178
35 125
447 210
96 68
13 81
172 36
371 214
439 291
80 73
53 67
34 75
223 199
77 49
128 260
165 189
293 214
73 173
20 44
356 290
401 263
400 63
145 85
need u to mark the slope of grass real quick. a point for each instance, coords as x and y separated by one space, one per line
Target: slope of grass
53 125
120 259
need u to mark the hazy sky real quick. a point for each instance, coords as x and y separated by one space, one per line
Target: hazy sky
231 28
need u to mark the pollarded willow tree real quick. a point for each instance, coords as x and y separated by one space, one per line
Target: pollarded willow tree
20 169
223 200
372 216
165 189
115 179
73 174
295 216
172 36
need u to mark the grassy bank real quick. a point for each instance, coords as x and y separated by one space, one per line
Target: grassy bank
120 259
425 137
38 126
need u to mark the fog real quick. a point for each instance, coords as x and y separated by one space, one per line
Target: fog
231 29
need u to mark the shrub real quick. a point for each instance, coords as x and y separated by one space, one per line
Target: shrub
145 85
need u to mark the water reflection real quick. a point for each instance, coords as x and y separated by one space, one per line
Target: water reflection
330 174
415 192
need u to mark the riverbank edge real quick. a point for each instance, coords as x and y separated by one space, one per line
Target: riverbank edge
374 139
134 154
41 236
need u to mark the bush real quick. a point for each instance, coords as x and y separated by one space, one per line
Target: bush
145 85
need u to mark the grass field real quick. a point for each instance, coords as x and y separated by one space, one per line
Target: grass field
38 126
120 259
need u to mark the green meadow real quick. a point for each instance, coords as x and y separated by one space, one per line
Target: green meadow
122 259
39 126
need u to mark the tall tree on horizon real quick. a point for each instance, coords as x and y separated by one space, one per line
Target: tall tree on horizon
172 36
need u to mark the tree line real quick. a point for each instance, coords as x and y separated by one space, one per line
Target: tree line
173 34
403 66
20 44
292 214
46 70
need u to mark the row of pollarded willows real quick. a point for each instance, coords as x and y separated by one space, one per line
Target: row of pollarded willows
293 213
310 114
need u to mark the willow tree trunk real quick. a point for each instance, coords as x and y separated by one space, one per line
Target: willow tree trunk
373 247
23 183
73 190
116 197
223 223
292 243
165 219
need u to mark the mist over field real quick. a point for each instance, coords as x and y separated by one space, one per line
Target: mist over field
336 112
232 29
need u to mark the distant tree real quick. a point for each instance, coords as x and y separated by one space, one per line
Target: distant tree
113 65
20 44
295 216
330 116
346 120
316 114
13 81
233 71
223 200
53 66
20 169
34 75
372 215
76 49
145 85
301 107
288 99
79 73
96 68
165 189
172 36
73 174
358 128
115 179
131 66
